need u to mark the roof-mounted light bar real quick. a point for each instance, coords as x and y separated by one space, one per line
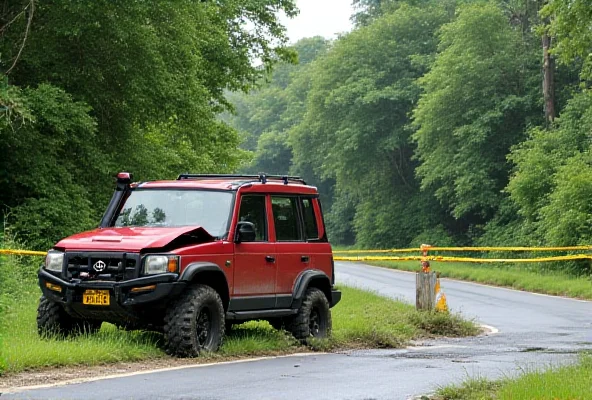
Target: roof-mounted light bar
262 177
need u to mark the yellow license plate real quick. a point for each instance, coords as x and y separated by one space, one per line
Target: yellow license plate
96 297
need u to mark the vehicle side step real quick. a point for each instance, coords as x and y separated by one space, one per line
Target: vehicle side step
255 314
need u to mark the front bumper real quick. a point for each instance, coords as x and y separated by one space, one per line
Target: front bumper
125 305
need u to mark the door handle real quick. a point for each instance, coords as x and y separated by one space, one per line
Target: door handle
270 259
305 259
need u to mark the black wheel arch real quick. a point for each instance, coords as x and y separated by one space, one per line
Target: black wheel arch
310 278
208 273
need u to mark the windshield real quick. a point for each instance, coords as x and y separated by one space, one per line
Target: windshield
168 208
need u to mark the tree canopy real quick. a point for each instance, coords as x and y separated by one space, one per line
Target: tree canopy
92 88
427 123
432 121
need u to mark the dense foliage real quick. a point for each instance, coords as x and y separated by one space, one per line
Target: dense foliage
92 88
427 123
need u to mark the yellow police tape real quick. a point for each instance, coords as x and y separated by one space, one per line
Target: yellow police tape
566 248
412 250
377 258
466 259
23 252
409 258
435 248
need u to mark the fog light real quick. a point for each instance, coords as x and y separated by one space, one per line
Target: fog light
143 288
53 287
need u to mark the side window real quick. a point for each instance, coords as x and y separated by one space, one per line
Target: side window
252 209
285 218
310 219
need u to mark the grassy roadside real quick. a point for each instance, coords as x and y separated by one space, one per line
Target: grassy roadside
362 319
514 276
565 383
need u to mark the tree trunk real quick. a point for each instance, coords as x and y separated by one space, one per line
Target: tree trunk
548 81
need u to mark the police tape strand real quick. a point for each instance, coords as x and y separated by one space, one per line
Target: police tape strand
465 259
23 252
435 248
410 258
566 248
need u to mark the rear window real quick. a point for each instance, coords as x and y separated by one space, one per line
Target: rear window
310 219
285 218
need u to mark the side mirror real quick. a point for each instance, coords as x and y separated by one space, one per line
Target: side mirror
245 232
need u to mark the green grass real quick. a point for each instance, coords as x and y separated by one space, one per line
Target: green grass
361 319
508 275
23 349
258 338
565 383
367 319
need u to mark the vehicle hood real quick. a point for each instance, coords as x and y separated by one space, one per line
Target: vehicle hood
133 239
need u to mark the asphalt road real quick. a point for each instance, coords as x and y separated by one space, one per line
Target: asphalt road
534 331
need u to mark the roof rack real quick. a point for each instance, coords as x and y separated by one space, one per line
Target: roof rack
262 177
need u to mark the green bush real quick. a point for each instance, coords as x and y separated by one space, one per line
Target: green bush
43 222
436 236
567 218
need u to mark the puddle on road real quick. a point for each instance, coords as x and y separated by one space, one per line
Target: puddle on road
549 351
532 349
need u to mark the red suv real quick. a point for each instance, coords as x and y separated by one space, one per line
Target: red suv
192 256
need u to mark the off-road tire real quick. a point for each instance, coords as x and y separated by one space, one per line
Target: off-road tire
313 319
183 335
53 320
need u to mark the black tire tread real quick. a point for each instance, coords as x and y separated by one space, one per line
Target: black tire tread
179 329
299 324
52 319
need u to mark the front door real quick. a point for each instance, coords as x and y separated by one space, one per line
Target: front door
254 262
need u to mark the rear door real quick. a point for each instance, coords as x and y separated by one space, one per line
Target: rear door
314 234
254 262
293 255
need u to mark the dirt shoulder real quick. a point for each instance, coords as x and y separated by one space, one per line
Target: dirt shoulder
53 375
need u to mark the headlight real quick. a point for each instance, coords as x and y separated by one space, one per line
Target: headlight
160 264
54 261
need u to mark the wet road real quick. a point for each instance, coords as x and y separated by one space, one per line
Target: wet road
534 331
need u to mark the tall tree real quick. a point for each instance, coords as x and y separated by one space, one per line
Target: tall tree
355 126
570 23
478 99
96 87
550 183
548 74
264 116
366 11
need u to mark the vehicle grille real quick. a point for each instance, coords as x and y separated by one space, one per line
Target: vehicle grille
109 266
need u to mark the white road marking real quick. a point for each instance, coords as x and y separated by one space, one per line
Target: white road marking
127 374
492 329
